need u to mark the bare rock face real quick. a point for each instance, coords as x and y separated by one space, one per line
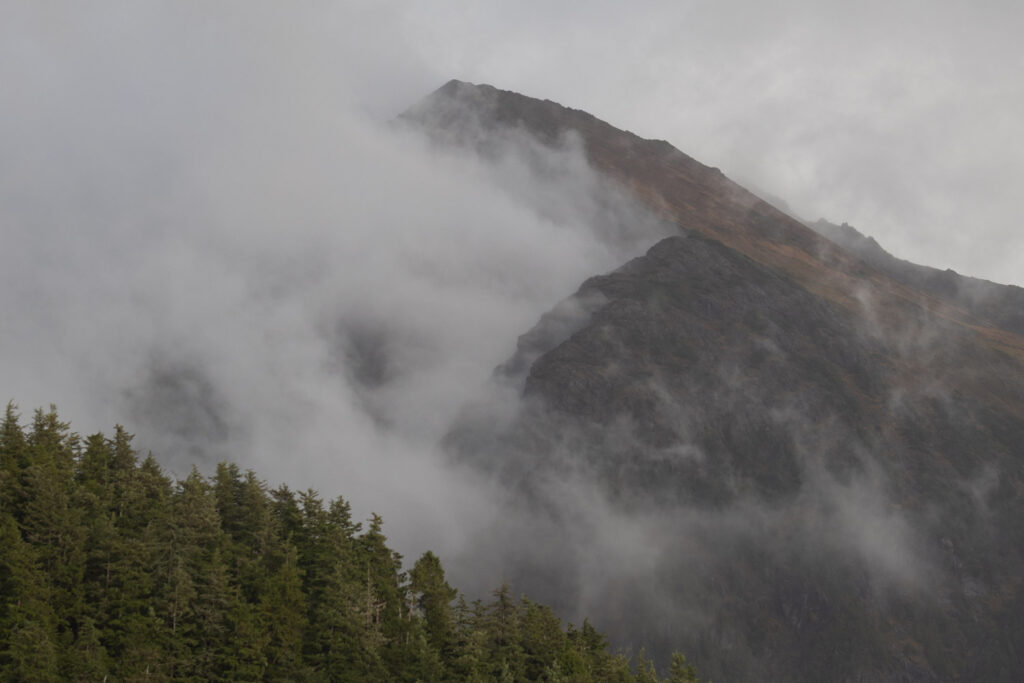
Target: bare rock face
786 456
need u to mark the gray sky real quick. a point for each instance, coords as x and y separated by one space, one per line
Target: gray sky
199 207
905 119
211 236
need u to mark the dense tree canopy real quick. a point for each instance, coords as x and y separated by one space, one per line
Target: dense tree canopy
109 570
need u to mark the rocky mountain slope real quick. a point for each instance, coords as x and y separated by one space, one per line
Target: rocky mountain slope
791 457
993 304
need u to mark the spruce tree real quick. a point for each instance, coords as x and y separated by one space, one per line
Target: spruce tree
433 598
107 570
682 671
502 625
13 463
28 623
542 640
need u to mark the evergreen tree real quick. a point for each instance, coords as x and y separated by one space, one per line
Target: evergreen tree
434 598
87 660
645 671
108 571
28 624
13 463
127 566
93 472
283 615
471 642
506 653
285 512
51 521
542 641
681 670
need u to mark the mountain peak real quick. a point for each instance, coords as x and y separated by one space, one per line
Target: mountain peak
676 187
803 429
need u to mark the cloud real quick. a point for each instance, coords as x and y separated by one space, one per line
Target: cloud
705 578
892 118
209 238
212 235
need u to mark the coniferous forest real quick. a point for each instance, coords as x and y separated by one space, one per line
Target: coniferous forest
112 571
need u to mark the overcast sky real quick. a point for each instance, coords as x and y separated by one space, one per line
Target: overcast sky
212 235
905 119
194 194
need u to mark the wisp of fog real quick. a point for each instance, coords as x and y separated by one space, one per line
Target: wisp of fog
287 283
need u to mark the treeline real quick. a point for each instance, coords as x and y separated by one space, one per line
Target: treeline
111 571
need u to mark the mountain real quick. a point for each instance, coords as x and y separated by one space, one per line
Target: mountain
788 454
994 305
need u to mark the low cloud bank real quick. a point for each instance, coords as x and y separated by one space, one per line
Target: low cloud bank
240 266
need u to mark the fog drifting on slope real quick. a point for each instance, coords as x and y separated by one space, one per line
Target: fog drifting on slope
222 252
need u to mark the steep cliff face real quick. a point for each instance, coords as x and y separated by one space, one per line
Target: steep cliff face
791 460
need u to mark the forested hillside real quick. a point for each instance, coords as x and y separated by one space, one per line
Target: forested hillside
109 570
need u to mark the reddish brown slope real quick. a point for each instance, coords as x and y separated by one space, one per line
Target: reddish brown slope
702 198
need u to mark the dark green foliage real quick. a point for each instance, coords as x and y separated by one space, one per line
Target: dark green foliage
109 571
434 600
682 671
28 633
645 672
542 640
13 462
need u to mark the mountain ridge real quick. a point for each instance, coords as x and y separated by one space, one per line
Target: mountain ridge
821 457
692 195
994 304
